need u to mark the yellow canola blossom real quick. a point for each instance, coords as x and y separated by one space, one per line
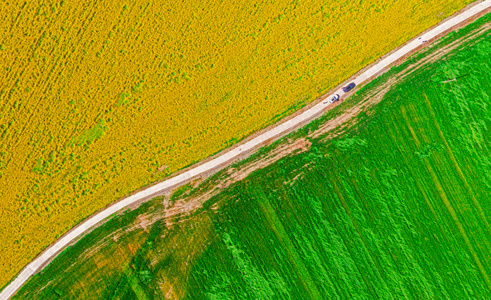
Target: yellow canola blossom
99 98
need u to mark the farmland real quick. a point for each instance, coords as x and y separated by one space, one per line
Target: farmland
100 98
394 206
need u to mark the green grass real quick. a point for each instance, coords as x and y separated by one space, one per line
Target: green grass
90 135
180 192
397 207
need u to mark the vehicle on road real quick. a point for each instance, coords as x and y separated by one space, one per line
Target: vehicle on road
334 98
349 87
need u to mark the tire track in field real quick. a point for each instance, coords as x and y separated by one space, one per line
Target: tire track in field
448 205
456 165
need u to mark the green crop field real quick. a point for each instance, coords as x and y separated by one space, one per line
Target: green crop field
396 206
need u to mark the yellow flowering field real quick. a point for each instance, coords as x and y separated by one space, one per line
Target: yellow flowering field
98 98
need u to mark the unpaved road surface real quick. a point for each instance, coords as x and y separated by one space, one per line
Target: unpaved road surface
239 151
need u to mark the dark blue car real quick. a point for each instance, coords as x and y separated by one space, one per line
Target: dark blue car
349 87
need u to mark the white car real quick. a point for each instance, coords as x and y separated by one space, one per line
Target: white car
334 99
